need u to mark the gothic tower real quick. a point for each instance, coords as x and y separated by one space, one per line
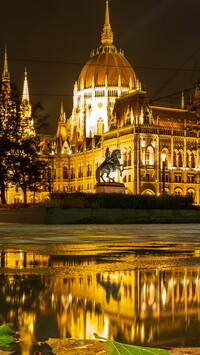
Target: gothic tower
27 123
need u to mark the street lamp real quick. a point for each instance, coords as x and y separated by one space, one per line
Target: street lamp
163 172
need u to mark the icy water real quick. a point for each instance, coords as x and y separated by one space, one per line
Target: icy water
138 284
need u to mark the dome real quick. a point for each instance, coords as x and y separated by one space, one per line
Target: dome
107 67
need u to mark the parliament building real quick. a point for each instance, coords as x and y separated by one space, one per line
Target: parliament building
159 145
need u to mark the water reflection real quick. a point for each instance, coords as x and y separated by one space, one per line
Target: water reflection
47 295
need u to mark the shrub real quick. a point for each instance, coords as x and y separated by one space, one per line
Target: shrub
113 200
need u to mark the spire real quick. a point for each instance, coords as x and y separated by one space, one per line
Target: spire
107 34
62 117
6 74
27 123
25 95
182 101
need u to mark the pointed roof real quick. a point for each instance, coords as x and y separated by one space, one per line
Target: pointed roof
62 117
107 34
5 74
25 95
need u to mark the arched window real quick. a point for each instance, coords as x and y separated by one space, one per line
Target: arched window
125 158
192 157
89 170
175 158
178 191
180 159
80 171
191 192
129 158
149 156
65 173
164 156
187 160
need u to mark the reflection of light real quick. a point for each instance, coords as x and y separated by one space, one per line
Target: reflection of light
142 333
163 156
144 288
104 334
164 296
31 327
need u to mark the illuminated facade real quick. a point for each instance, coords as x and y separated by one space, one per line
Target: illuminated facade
159 145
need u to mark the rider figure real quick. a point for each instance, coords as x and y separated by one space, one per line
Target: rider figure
108 157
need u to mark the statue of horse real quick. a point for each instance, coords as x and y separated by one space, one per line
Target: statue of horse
111 163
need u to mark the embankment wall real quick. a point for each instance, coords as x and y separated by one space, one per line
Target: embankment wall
42 215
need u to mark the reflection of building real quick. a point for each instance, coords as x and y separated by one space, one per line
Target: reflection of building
133 306
110 109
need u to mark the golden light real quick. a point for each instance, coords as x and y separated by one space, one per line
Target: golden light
164 296
163 157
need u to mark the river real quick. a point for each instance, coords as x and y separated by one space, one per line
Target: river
138 284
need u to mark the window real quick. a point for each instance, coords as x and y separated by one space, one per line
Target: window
149 156
166 178
65 173
129 178
178 192
175 159
125 158
129 158
17 199
89 170
191 179
147 177
72 173
100 126
180 159
187 160
80 172
177 178
192 160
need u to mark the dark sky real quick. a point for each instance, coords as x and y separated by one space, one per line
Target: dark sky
153 34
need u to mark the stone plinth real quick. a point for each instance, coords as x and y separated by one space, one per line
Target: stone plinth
110 187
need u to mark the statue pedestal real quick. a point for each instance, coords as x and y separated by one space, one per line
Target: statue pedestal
110 187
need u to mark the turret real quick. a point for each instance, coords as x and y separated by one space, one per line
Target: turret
6 88
62 117
26 109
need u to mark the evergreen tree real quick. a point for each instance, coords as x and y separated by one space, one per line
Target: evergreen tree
20 162
26 166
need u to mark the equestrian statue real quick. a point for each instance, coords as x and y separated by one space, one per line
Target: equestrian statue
111 163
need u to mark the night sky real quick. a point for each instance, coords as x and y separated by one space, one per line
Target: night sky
154 34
